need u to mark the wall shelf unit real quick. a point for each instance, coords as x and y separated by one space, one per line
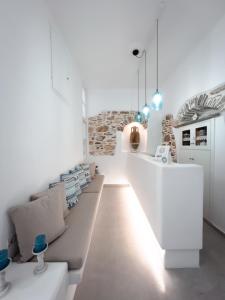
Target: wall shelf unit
196 136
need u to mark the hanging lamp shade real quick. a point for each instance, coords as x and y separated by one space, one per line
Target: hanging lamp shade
138 117
157 100
146 111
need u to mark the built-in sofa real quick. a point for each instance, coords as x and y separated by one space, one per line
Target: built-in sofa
73 245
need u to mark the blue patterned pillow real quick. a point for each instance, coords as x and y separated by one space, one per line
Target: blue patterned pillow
72 174
71 197
81 174
86 168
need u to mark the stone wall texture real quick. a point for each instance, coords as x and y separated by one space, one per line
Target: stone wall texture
102 130
168 137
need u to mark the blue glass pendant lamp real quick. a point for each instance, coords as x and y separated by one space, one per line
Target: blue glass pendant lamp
157 101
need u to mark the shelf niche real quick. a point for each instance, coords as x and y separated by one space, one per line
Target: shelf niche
126 146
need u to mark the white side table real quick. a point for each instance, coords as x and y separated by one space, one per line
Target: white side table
51 285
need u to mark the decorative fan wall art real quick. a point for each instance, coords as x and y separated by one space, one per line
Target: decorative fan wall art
202 106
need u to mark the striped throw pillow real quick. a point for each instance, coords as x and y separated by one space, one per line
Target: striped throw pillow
71 197
72 174
86 168
82 178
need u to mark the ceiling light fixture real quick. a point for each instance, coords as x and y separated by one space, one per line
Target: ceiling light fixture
157 101
146 108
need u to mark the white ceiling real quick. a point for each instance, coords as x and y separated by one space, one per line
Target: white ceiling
102 32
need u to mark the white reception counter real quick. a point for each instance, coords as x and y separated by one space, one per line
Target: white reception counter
171 196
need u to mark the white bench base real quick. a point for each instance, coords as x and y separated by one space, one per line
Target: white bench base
181 259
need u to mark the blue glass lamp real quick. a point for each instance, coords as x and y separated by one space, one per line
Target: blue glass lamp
157 101
138 117
146 111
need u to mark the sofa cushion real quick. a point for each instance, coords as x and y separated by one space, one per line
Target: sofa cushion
87 172
55 191
81 174
96 185
73 245
70 190
92 169
73 174
45 215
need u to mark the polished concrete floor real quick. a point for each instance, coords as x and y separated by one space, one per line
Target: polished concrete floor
123 264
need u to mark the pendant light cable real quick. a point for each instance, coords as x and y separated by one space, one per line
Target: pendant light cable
145 79
157 101
138 91
157 55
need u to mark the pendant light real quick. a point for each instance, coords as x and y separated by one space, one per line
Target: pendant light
138 117
146 108
157 101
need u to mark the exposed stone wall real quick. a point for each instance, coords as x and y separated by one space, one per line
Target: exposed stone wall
168 137
102 130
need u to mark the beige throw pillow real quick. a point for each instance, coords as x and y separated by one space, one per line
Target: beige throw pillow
92 169
58 191
43 216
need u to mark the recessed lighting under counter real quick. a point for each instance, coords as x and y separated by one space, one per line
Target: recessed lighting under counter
171 196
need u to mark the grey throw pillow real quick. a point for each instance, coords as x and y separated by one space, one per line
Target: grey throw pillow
57 190
92 169
43 216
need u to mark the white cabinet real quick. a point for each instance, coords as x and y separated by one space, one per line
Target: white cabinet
196 136
196 146
203 158
211 157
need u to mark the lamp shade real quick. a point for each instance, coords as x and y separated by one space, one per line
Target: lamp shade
138 117
146 111
157 101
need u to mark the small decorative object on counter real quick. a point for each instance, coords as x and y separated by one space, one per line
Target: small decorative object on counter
163 154
4 264
40 247
134 138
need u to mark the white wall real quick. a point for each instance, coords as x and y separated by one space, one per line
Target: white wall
113 167
201 70
40 132
218 207
104 100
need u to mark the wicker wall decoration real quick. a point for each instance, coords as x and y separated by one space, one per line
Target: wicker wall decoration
202 106
168 137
